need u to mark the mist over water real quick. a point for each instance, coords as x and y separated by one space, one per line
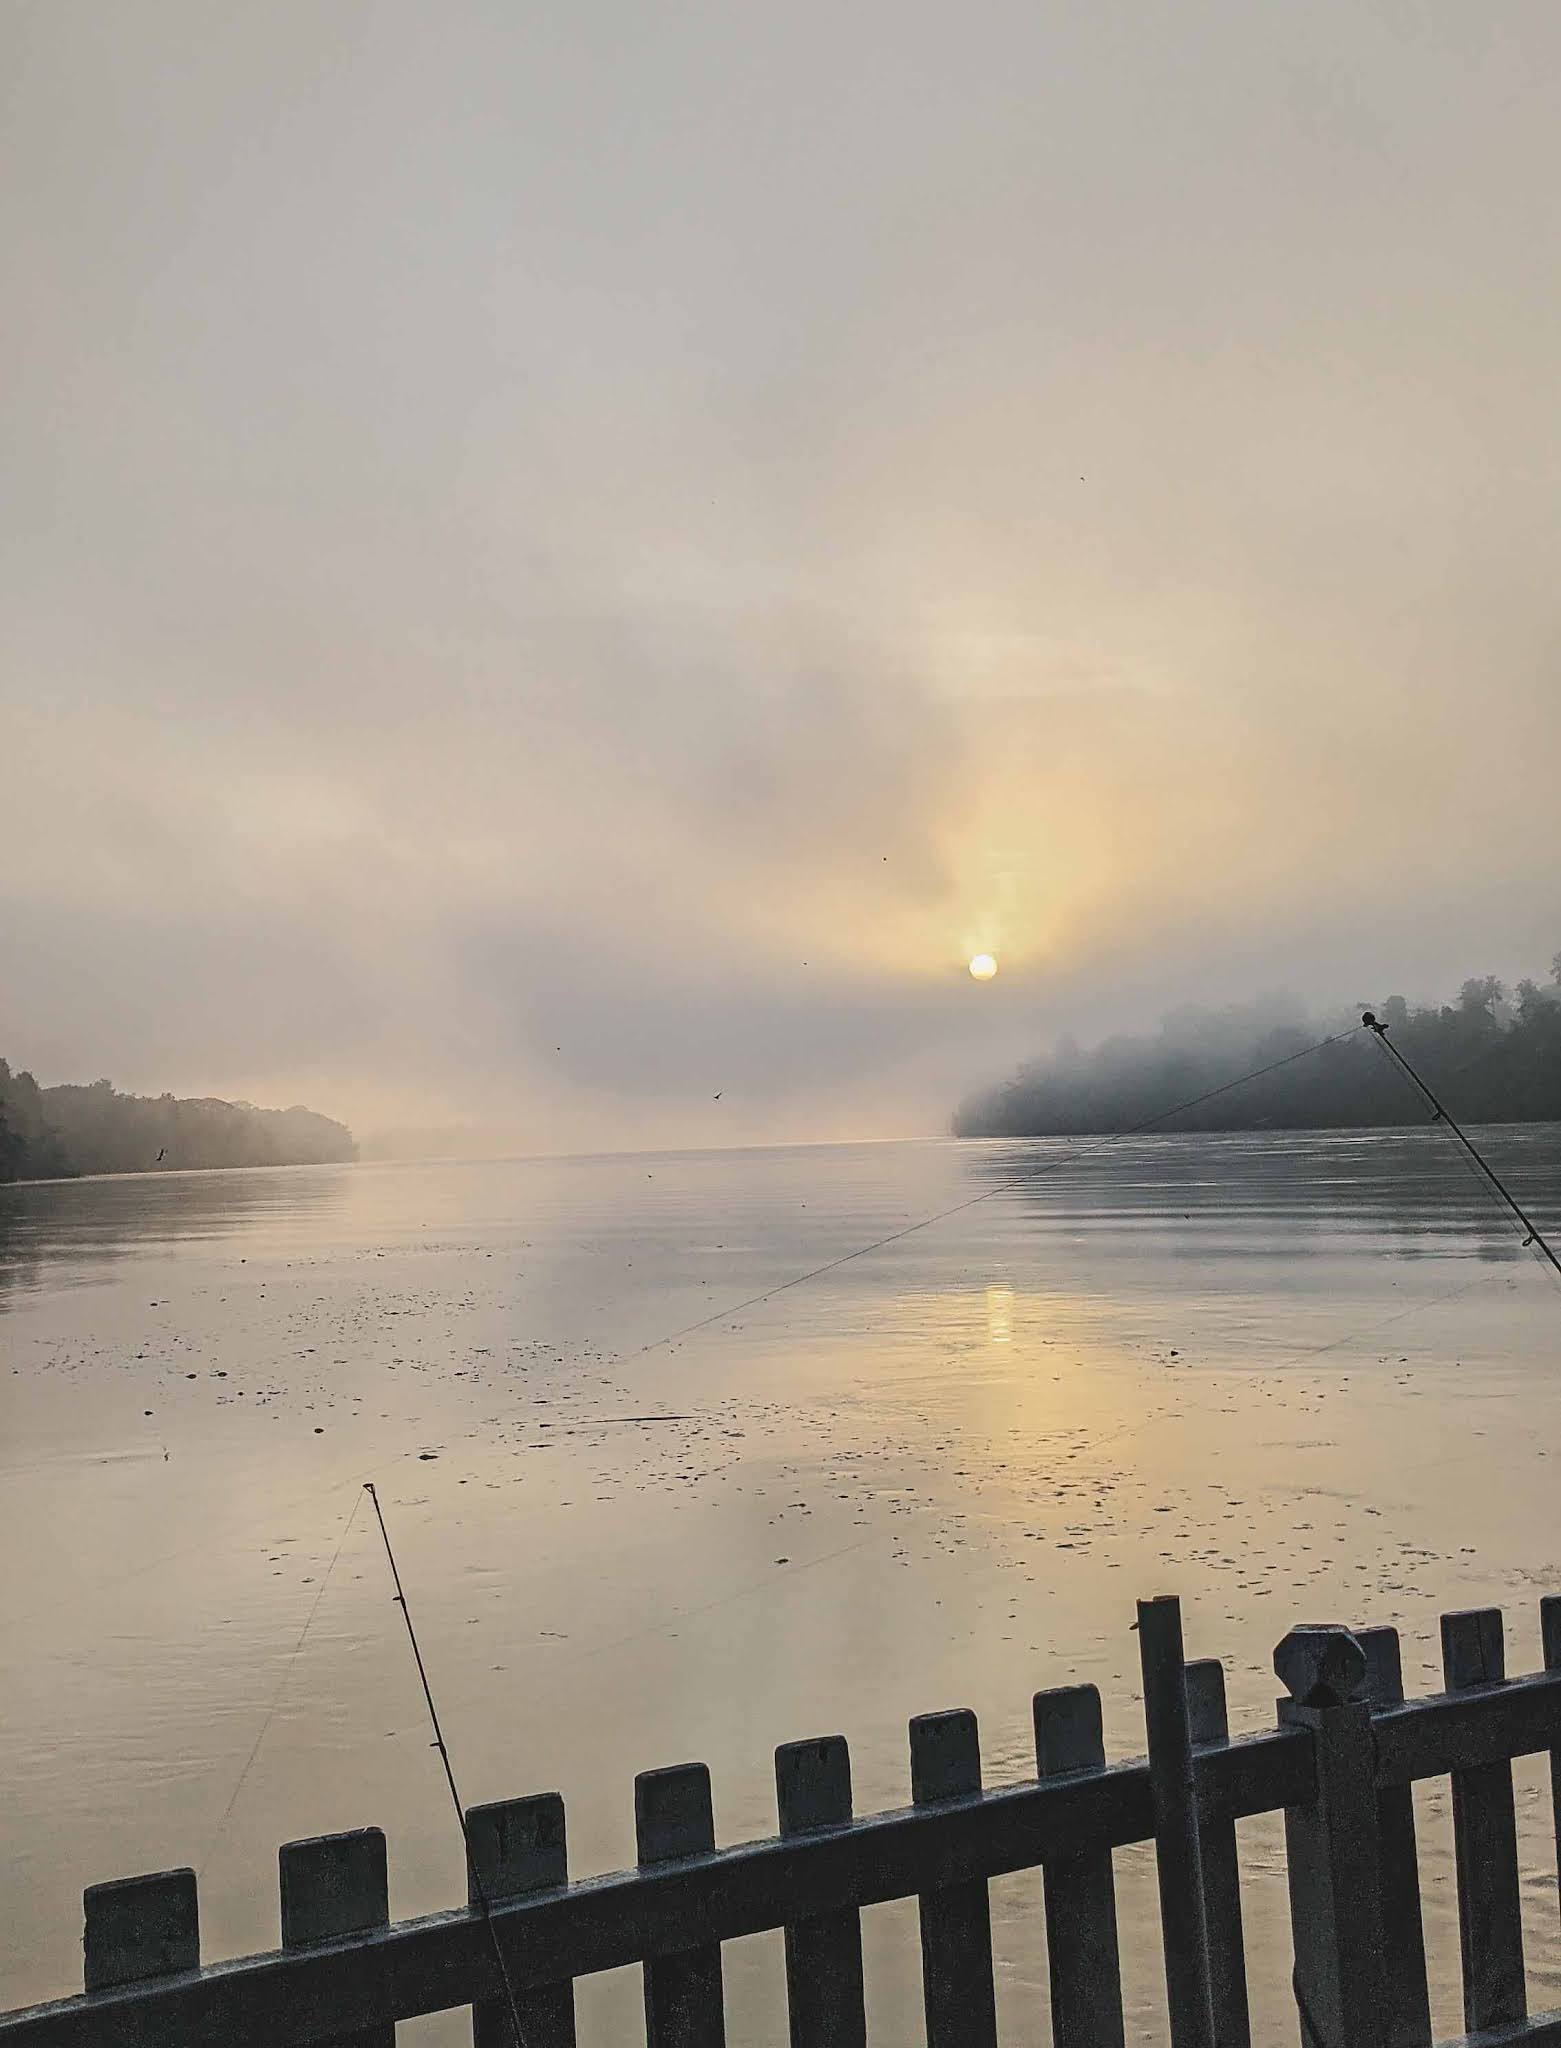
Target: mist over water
1289 1377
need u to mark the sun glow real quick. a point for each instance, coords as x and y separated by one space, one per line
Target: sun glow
983 967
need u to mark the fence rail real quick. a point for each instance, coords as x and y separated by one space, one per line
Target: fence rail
1339 1766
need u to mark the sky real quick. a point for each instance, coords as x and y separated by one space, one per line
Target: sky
560 563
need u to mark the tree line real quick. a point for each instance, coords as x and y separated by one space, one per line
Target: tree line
47 1133
1494 1056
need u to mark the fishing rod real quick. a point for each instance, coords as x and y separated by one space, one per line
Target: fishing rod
800 1279
1059 1163
485 1905
1533 1236
1442 1115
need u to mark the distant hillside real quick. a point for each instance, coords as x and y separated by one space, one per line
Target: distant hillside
48 1132
1493 1058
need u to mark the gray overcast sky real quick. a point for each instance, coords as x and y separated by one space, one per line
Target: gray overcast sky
562 559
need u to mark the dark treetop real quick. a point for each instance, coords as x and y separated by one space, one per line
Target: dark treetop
47 1132
1493 1058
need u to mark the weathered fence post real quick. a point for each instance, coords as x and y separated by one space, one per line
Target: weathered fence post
1082 1958
1210 1725
824 1997
333 1885
518 1846
1331 1844
1550 1631
1403 1927
1485 1842
139 1927
684 1998
1177 1844
958 1995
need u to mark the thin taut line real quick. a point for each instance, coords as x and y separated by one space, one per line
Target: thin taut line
1441 1114
1052 1165
449 1774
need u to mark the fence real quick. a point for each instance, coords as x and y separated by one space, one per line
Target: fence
1340 1764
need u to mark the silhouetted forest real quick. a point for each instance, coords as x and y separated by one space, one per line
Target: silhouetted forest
1492 1056
49 1132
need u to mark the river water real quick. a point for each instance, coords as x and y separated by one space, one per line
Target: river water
1290 1377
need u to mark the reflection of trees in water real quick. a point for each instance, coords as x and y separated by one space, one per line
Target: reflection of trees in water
1412 1187
47 1225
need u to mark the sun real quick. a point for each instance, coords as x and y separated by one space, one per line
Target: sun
983 967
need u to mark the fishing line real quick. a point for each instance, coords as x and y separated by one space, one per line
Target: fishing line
249 1761
997 1188
754 1587
472 1871
1441 1114
109 1583
1071 1158
1533 1236
670 1618
1370 1329
829 1266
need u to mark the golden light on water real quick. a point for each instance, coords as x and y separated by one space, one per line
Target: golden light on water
983 967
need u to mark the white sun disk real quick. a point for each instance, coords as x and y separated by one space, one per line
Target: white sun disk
983 967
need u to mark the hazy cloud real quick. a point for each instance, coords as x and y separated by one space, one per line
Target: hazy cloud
560 562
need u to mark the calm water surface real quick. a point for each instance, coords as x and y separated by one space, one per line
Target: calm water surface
1308 1377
